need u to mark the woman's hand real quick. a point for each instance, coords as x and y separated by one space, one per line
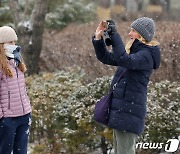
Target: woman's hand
100 29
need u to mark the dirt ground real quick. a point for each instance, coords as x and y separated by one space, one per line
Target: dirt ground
72 47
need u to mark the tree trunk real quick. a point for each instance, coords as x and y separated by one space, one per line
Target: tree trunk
104 3
30 33
131 6
166 5
14 7
35 43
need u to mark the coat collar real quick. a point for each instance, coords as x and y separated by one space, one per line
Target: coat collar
11 62
136 44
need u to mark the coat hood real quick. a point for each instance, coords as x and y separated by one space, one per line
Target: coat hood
155 52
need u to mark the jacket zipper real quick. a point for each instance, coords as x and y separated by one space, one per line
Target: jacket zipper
124 90
19 89
9 100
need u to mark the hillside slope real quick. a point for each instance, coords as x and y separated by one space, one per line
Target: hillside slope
72 47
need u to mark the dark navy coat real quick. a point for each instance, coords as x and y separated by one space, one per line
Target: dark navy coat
128 109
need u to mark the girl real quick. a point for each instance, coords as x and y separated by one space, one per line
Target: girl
15 109
137 60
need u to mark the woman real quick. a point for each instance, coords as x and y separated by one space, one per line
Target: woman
15 109
137 60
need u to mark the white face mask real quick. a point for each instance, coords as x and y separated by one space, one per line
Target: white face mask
13 51
10 48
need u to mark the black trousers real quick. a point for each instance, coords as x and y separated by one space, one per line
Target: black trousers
14 132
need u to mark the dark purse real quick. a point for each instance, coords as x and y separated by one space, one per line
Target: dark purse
103 106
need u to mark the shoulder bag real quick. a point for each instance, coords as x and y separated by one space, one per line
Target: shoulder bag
102 107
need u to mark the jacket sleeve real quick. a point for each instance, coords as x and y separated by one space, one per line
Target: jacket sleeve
102 53
138 61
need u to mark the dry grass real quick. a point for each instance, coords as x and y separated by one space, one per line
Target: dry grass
72 47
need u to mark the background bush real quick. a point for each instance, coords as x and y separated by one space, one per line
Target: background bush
71 11
63 112
5 16
60 13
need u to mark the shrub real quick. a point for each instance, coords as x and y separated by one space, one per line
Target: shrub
48 94
72 11
5 16
162 113
63 112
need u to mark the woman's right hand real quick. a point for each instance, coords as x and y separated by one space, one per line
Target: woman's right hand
100 29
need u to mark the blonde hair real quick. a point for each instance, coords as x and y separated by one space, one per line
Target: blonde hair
141 39
4 66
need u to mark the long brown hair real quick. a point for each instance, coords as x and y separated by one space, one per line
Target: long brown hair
4 66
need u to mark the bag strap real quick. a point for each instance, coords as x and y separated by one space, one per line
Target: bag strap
114 86
120 75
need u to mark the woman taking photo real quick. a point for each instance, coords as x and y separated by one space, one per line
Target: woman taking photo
137 60
15 109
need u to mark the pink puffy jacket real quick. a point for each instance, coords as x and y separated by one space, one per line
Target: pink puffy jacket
13 96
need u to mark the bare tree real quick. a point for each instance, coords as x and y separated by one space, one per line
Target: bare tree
104 3
30 31
166 5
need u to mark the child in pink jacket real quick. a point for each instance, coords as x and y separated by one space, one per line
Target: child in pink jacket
15 108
